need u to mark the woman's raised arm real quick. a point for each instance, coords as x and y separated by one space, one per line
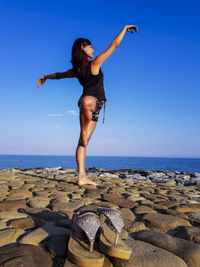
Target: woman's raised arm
101 58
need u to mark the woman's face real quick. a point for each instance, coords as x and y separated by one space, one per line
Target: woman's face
88 50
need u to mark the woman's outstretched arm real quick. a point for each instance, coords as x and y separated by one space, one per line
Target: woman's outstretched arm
58 75
101 58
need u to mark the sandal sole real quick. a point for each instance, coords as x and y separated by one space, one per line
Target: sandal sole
78 252
106 244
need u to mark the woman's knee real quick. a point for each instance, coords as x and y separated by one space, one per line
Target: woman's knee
84 139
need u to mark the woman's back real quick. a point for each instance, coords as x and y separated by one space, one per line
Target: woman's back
92 84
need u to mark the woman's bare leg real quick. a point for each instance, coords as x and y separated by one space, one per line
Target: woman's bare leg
87 128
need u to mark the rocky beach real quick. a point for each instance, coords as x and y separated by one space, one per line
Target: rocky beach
161 212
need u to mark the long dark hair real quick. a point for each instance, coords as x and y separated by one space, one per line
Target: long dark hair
79 58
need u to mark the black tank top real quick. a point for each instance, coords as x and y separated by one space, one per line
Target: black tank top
93 84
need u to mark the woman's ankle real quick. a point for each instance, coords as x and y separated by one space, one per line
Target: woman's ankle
82 173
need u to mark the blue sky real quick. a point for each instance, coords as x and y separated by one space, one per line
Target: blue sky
151 80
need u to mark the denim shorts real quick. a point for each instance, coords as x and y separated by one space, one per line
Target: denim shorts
99 105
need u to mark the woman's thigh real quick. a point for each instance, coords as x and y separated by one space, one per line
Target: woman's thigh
87 127
88 103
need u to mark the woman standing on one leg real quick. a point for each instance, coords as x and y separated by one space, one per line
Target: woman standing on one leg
90 76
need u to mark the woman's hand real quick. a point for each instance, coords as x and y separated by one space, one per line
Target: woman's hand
129 27
41 81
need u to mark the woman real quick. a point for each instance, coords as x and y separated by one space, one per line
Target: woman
90 76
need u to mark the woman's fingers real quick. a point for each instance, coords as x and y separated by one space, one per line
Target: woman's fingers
136 28
132 27
41 81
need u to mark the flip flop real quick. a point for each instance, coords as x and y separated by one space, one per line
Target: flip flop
80 251
109 241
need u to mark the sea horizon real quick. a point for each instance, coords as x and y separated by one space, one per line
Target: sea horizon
54 155
24 161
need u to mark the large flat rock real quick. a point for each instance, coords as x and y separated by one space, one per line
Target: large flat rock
41 233
163 221
24 255
188 208
23 223
146 255
184 249
12 205
190 233
12 215
119 200
8 236
70 206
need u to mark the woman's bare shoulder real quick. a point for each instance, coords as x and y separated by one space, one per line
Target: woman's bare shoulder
94 68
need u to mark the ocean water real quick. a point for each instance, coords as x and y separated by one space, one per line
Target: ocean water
112 163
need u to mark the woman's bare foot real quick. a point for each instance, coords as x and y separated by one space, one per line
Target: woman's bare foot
84 180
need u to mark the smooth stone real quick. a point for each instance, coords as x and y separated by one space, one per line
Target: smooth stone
87 201
24 223
175 213
133 227
194 217
3 224
127 214
8 236
3 187
146 202
24 255
138 177
12 215
12 205
39 203
119 200
38 235
35 210
135 198
60 194
88 208
188 208
94 193
19 195
104 204
129 182
158 207
108 175
15 183
43 193
75 196
184 249
143 209
144 254
70 206
163 222
169 204
190 233
124 234
46 214
60 199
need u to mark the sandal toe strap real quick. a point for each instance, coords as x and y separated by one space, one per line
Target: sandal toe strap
114 215
89 223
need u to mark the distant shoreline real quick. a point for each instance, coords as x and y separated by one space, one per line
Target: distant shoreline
190 165
157 176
